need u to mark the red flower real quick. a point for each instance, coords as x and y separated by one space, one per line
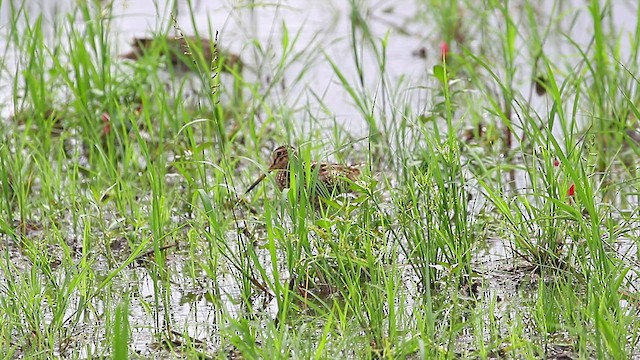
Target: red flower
572 190
444 50
106 123
556 163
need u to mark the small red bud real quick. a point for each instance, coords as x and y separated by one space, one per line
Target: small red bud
106 123
444 50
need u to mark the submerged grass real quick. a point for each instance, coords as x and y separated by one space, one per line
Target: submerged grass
126 231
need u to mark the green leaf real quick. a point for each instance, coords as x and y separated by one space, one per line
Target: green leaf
439 73
120 345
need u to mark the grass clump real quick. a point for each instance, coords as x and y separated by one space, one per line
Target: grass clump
495 214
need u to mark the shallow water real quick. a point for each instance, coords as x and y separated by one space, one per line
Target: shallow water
321 27
325 28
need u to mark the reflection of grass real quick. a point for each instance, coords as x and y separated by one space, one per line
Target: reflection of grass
121 192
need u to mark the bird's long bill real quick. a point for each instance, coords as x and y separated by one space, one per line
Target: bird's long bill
255 183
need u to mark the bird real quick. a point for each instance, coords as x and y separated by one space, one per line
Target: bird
177 48
330 178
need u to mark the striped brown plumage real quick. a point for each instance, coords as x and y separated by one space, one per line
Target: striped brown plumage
331 179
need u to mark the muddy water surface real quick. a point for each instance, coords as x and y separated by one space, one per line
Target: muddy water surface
321 29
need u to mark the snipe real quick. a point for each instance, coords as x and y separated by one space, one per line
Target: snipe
176 48
330 179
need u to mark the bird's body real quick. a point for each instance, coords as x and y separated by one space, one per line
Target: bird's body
330 179
177 48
